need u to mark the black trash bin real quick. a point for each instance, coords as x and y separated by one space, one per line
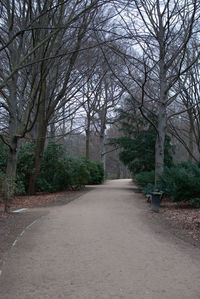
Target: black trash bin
155 201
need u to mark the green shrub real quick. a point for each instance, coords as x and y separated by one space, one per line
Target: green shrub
54 174
145 178
58 170
96 172
148 189
138 149
181 182
195 202
2 178
24 167
101 172
20 186
44 186
3 156
78 173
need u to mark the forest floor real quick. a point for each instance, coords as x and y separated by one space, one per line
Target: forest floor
180 218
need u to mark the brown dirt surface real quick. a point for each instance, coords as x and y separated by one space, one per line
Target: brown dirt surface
106 244
12 224
181 219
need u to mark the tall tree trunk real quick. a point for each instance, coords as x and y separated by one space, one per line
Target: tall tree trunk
63 122
52 128
40 143
87 145
191 136
38 159
102 115
87 141
9 187
160 143
190 158
162 113
102 148
162 121
12 159
118 171
52 132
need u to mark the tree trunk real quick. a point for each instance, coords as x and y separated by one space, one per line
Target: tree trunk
191 136
12 159
102 115
38 160
63 122
40 143
52 132
190 158
87 142
9 184
160 143
118 171
162 113
102 148
87 145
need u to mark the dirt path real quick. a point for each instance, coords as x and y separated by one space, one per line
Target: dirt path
100 246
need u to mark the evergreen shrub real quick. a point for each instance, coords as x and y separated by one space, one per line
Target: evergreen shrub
195 202
55 169
2 178
96 172
145 178
3 156
148 189
78 173
58 170
181 182
25 161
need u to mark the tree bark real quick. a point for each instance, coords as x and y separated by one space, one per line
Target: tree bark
9 184
87 141
190 158
38 160
191 136
162 103
9 187
40 143
102 137
12 159
160 143
102 148
87 145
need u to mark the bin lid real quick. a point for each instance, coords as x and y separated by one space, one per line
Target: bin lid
156 193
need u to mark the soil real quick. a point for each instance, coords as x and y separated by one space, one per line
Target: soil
12 224
180 218
106 244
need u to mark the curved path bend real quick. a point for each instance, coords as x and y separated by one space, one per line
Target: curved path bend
100 246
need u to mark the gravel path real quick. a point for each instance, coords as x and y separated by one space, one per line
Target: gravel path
100 246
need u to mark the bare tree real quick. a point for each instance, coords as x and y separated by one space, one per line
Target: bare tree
67 85
159 34
33 36
187 110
